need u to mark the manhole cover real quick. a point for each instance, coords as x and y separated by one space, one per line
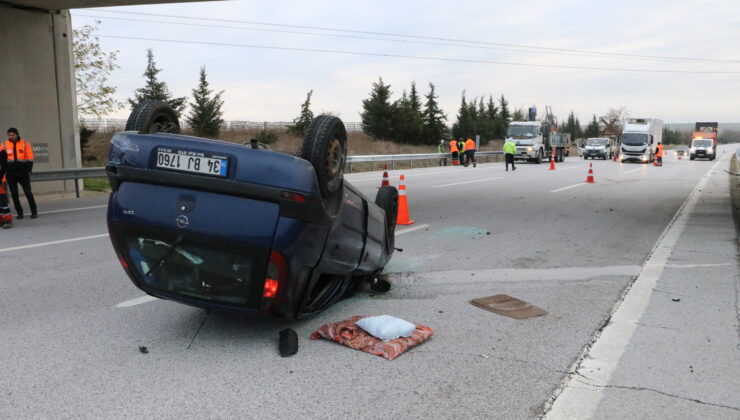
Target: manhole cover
508 306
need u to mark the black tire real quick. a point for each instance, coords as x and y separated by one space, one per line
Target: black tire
325 146
151 117
387 199
538 159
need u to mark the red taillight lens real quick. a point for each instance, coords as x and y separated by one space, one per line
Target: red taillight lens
277 271
271 286
299 198
123 262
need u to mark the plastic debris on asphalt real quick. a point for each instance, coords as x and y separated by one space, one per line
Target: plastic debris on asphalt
347 333
508 306
288 342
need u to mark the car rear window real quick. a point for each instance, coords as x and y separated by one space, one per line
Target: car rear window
197 269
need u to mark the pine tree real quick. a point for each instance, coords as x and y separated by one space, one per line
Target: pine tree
592 130
433 118
578 129
409 121
205 110
301 122
518 115
154 89
464 121
504 117
377 115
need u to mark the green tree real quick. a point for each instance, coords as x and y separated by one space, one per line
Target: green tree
154 89
504 117
433 118
205 111
301 122
593 129
518 115
377 115
408 122
465 123
92 67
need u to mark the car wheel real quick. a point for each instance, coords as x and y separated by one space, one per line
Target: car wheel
149 117
325 146
387 199
538 159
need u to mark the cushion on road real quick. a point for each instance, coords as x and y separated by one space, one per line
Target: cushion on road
508 306
386 327
349 334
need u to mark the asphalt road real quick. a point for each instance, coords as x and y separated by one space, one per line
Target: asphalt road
73 323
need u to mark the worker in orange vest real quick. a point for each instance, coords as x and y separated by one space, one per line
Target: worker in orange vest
18 170
454 151
470 153
6 217
659 154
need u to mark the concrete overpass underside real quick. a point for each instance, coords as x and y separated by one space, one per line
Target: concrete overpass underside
37 79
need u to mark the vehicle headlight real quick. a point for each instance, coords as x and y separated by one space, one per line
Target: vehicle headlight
710 151
529 149
692 150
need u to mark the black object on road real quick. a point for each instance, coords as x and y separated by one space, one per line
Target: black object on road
143 349
288 342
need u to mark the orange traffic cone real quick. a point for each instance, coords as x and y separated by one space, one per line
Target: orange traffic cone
386 180
679 157
614 158
590 177
552 164
403 205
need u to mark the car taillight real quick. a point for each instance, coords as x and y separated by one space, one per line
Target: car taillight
277 271
299 198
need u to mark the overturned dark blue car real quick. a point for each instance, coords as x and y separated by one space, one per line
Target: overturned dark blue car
226 226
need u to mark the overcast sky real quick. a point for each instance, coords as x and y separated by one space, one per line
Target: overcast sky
267 84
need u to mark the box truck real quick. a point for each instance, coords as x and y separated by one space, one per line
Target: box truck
639 139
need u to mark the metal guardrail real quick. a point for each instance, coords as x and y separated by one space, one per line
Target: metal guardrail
67 174
99 172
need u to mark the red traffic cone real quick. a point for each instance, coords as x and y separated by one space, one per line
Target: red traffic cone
403 205
552 164
386 180
614 157
590 177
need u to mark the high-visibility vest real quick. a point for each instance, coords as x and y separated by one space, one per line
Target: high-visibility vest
660 151
469 145
19 151
453 146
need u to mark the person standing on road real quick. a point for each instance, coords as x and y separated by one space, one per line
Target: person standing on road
509 152
470 152
659 154
18 171
454 151
441 149
6 217
461 148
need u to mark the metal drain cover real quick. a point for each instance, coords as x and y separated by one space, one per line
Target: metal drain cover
508 306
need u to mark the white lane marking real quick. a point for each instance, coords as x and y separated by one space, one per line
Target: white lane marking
696 265
137 301
63 241
467 182
568 187
75 209
413 229
583 391
633 170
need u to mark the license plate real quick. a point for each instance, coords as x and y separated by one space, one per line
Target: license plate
194 162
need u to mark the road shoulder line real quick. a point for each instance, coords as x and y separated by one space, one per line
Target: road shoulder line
583 388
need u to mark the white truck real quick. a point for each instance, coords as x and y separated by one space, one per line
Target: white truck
639 139
537 140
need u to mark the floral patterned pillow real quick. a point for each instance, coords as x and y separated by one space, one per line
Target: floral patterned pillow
349 334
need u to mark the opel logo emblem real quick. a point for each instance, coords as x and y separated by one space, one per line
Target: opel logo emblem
182 221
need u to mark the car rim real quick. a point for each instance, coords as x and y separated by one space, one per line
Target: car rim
163 125
334 158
